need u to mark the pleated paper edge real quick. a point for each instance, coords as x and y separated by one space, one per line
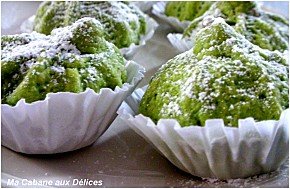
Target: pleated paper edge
179 43
144 6
158 10
152 25
134 120
137 73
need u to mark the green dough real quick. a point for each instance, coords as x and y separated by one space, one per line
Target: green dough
71 59
266 30
224 76
186 10
124 23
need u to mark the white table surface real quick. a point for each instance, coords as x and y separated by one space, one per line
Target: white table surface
120 158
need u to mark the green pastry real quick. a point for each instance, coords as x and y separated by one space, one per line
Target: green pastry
124 23
71 59
186 10
264 29
224 76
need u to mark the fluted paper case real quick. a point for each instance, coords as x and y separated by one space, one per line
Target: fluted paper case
158 10
215 151
64 121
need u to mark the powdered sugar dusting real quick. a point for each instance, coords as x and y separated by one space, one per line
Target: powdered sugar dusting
123 22
57 60
225 72
267 30
58 44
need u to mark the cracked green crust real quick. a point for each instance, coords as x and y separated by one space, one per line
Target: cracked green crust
224 76
264 29
186 10
124 23
71 59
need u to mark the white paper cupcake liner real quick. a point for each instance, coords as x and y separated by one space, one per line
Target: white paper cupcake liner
27 25
128 52
143 5
179 43
158 9
215 151
64 121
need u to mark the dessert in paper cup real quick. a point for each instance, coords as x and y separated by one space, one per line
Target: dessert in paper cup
125 25
219 110
262 28
179 14
61 92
